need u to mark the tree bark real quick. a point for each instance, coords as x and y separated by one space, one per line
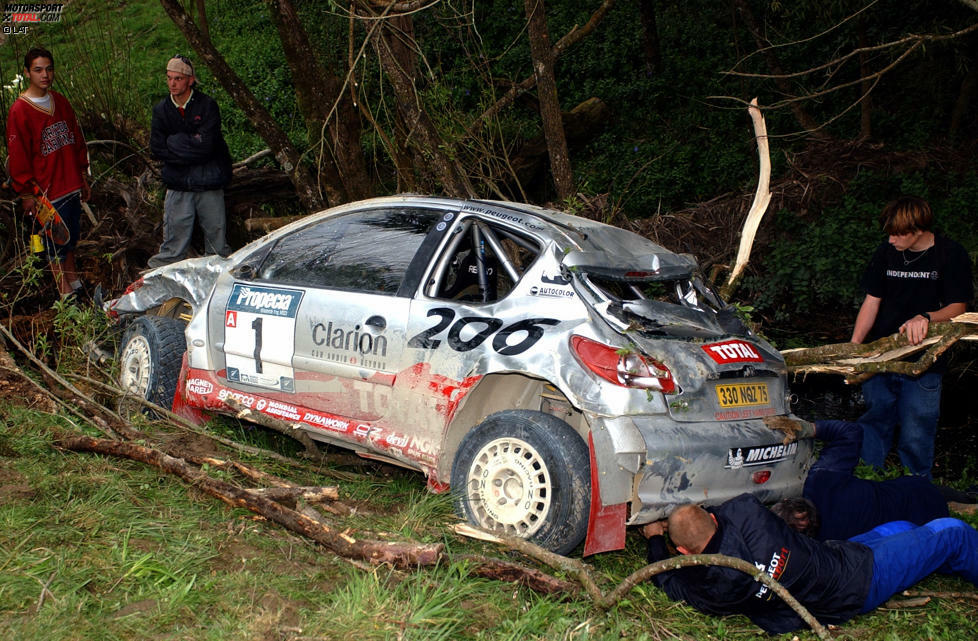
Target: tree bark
650 36
570 39
553 127
423 136
332 119
403 555
285 153
858 362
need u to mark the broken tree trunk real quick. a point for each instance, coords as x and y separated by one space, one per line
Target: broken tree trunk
403 555
762 198
859 362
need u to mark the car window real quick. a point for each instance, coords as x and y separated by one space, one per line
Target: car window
365 251
482 262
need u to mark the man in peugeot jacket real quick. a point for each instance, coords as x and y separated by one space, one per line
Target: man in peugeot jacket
834 580
186 136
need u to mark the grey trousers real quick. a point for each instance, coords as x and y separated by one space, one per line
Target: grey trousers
180 209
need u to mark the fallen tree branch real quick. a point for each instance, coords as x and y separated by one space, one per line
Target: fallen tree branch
291 495
292 430
942 595
398 554
180 422
107 421
608 600
858 362
511 572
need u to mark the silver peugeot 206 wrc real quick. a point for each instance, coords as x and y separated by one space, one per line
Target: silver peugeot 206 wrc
564 378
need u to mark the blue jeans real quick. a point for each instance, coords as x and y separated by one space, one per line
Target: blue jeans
904 554
69 208
914 403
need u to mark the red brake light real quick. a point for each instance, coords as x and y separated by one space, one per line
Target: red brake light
627 369
761 476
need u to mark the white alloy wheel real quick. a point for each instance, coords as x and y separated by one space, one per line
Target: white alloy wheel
135 365
509 487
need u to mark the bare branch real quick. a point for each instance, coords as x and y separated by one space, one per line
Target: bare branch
571 38
910 43
762 197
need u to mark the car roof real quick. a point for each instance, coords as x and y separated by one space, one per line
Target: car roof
586 243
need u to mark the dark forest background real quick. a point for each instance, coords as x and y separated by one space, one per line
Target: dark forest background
863 100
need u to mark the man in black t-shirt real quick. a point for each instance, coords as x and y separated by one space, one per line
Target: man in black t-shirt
915 278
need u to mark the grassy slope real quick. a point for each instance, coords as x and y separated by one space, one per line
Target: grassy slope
94 548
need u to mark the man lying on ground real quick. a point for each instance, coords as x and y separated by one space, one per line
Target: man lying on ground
834 580
845 505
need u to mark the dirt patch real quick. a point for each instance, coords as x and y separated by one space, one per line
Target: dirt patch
137 607
15 388
13 485
190 444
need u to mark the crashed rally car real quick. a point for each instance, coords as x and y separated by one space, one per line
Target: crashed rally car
563 377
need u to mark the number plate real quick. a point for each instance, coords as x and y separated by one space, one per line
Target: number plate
742 394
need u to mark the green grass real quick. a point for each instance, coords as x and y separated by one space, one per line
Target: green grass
95 548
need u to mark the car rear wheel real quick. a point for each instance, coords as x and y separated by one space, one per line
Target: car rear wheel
149 362
525 474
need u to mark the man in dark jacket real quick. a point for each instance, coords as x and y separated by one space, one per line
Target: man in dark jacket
186 136
846 505
834 580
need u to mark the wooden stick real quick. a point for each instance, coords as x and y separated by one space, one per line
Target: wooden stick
398 554
762 198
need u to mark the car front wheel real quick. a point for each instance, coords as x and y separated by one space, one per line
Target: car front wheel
525 474
149 362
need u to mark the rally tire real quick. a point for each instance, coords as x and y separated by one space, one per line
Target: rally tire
526 474
150 357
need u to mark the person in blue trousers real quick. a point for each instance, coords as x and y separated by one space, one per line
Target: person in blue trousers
916 277
838 505
834 580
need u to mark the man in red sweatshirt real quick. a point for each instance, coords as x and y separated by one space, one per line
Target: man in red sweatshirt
45 147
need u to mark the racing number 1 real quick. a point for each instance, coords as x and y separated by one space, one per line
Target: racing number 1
256 325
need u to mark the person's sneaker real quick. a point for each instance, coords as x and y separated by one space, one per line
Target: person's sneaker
81 293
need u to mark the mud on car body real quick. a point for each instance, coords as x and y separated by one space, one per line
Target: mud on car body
563 377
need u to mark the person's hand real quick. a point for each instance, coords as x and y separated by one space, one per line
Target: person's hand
86 191
915 329
27 202
655 528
